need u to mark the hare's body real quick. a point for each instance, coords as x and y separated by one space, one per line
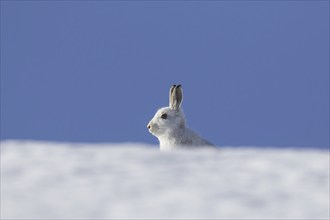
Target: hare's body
184 138
169 125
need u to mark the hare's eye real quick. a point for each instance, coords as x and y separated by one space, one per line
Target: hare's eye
164 116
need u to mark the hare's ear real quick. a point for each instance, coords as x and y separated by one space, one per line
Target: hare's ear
176 97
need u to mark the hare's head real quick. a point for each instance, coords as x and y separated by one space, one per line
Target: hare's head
169 119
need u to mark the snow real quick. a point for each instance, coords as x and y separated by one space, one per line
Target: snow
41 180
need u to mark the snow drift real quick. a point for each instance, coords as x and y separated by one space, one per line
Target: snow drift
42 180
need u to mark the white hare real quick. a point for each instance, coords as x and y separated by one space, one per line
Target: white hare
169 125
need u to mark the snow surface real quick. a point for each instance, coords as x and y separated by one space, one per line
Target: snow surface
42 180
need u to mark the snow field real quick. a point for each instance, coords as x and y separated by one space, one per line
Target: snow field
41 180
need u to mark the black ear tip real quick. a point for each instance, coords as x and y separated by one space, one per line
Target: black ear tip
178 86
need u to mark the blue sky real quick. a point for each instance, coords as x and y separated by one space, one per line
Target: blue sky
254 73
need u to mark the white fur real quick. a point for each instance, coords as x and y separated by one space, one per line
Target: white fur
173 132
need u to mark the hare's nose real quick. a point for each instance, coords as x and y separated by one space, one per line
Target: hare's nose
148 126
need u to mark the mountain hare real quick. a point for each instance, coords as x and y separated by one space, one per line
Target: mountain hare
169 125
